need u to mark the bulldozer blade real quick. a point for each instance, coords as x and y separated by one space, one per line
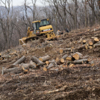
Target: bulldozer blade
22 41
52 38
26 39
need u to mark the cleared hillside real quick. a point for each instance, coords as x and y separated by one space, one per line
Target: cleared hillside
67 68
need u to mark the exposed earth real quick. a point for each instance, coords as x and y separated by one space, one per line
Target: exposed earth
79 82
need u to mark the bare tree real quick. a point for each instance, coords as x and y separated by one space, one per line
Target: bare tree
32 8
92 6
7 23
98 3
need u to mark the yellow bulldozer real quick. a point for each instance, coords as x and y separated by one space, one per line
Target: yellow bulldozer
40 28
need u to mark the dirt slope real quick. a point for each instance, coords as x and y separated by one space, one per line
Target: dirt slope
79 82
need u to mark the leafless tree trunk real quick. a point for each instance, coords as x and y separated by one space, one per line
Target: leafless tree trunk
76 8
7 24
92 6
98 3
86 15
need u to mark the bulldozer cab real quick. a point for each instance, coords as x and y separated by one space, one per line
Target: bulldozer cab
44 22
40 23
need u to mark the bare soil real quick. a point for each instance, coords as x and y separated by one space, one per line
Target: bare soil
80 82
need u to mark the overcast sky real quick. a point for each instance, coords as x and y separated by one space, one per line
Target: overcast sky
21 2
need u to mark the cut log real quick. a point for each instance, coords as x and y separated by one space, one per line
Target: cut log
90 47
60 61
25 67
67 49
63 50
55 91
32 64
89 59
69 58
96 50
98 42
92 63
1 58
50 65
85 57
73 50
13 53
6 56
96 45
36 60
47 62
80 55
81 47
96 29
45 69
14 70
86 46
90 43
78 62
40 64
57 60
71 65
65 66
19 61
45 58
84 41
77 56
52 61
82 66
81 61
25 70
65 56
3 61
21 68
95 40
97 34
2 70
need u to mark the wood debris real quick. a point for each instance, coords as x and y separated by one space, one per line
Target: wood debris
65 68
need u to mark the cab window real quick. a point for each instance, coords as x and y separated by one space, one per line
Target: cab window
34 28
44 23
37 25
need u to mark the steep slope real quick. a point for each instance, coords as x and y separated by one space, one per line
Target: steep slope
64 79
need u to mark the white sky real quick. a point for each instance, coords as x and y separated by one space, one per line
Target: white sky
21 2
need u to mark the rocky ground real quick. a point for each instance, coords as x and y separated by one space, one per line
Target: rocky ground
66 81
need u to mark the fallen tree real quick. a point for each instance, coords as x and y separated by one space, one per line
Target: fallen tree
44 58
20 60
20 68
